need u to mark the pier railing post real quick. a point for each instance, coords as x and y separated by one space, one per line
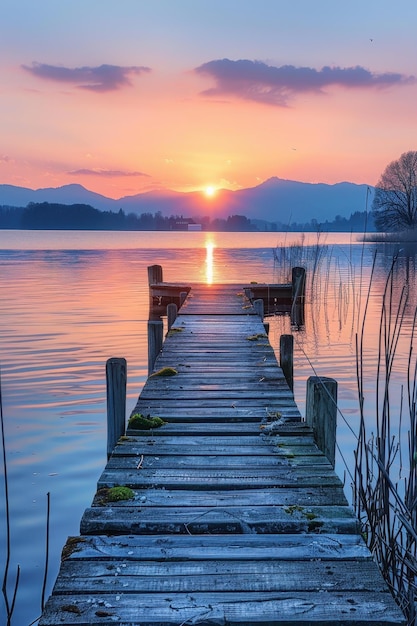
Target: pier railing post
183 297
172 311
321 413
258 305
286 358
116 376
155 340
154 274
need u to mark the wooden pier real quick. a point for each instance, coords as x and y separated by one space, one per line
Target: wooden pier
237 517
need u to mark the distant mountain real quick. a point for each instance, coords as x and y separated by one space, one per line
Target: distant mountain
275 200
68 194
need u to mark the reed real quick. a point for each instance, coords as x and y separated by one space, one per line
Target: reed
9 602
10 584
385 494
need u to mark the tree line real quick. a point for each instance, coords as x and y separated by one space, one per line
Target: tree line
54 216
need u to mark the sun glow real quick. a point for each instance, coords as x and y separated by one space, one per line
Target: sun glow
210 191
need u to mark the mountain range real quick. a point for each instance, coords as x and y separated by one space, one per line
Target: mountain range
275 200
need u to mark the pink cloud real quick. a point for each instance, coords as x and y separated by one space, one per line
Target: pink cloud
105 173
255 80
100 79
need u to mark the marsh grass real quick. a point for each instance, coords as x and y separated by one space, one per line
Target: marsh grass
299 254
385 480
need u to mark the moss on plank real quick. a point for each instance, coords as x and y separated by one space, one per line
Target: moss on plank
165 371
142 422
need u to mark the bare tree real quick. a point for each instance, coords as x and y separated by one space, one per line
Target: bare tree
395 202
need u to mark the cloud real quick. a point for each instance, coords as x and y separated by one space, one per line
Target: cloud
255 80
4 158
102 78
106 173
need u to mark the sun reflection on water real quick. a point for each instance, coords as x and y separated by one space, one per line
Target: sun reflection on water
209 262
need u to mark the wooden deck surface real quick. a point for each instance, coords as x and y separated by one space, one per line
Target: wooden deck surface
237 516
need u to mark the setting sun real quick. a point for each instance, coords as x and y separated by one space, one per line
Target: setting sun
210 191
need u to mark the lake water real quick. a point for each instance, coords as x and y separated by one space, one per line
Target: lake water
71 300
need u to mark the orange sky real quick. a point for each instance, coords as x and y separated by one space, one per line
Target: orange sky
132 96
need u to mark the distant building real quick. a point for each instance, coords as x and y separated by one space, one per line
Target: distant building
185 223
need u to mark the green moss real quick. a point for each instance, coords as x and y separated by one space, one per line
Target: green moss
140 422
174 331
314 527
311 517
257 337
273 416
115 494
72 545
293 508
165 371
71 608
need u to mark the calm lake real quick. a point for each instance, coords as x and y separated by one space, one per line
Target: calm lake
71 300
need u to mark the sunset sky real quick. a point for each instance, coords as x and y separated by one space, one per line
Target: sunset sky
128 96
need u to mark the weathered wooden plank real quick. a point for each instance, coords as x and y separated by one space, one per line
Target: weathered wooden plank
231 429
262 449
286 547
293 497
220 378
211 461
213 413
272 401
229 442
273 609
142 576
203 520
189 395
283 476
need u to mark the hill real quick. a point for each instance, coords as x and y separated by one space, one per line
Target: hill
275 200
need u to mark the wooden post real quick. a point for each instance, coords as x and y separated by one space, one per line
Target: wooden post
116 375
286 358
321 413
154 274
258 305
155 339
298 296
172 311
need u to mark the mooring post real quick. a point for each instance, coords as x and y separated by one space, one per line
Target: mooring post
154 274
258 305
321 413
286 358
116 376
172 311
298 296
183 297
155 340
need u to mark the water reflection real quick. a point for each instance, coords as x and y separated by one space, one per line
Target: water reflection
209 261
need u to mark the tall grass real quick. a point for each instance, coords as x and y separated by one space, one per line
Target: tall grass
385 494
